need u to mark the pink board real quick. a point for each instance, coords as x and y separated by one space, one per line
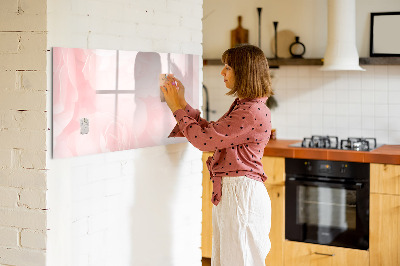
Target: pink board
109 100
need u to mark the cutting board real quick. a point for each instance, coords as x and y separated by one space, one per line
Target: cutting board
239 35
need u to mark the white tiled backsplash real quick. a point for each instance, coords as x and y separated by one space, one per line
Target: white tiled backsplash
314 102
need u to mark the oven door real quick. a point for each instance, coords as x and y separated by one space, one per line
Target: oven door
327 213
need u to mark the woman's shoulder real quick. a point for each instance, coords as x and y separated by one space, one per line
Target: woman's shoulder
260 110
256 104
250 105
254 109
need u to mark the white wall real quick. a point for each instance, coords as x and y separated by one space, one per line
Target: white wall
311 102
343 104
23 133
305 18
135 207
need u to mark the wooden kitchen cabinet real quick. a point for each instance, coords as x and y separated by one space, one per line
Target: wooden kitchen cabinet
385 178
277 233
206 225
384 236
305 254
274 168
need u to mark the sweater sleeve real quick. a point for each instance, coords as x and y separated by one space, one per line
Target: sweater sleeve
231 130
193 113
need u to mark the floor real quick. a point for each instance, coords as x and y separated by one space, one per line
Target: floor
206 261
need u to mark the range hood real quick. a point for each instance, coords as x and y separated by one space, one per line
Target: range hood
341 51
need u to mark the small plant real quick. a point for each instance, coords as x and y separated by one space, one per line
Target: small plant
271 102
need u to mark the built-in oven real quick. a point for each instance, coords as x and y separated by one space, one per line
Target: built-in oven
327 202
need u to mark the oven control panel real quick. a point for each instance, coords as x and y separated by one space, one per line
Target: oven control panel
338 169
325 167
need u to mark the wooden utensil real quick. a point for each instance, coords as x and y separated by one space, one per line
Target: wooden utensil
239 35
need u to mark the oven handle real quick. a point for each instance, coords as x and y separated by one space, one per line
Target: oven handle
357 185
324 254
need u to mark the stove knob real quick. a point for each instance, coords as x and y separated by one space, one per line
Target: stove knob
343 168
308 166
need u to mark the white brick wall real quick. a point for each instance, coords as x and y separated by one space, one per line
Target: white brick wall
9 197
33 239
11 256
135 207
100 206
9 237
23 126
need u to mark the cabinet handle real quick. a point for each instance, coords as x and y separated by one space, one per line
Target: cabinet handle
324 254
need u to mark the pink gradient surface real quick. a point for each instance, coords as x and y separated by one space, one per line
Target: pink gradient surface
118 92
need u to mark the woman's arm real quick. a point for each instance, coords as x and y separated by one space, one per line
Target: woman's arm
239 127
193 113
174 93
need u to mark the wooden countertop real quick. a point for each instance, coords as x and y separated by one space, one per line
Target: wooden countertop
389 154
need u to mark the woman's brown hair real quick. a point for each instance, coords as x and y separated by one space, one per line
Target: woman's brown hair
250 66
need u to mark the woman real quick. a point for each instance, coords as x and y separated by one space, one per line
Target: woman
242 208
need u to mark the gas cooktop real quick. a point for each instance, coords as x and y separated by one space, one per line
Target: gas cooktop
332 142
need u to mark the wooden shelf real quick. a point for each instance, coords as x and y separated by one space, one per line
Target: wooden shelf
273 63
380 61
212 62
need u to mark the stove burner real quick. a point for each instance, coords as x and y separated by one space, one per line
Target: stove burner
328 142
332 142
358 144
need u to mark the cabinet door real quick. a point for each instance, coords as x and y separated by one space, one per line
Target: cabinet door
385 178
274 168
384 230
277 233
206 232
304 254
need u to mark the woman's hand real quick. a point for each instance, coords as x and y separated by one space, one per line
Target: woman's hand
181 92
171 95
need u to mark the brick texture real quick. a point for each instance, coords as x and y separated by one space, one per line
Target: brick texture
33 199
17 256
23 126
23 218
33 239
9 237
8 197
92 196
10 42
23 178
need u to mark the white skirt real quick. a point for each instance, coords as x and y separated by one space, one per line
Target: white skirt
241 223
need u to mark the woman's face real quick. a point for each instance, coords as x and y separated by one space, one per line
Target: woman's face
229 76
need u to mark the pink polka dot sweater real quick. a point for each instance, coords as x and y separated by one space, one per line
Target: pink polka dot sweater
238 139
